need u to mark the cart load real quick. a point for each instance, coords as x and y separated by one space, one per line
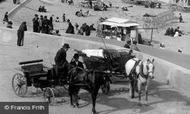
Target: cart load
105 59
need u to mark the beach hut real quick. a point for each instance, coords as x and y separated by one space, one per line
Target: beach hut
118 28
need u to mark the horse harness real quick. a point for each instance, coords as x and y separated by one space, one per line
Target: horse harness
83 77
140 63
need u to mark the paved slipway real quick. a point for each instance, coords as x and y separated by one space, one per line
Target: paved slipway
163 99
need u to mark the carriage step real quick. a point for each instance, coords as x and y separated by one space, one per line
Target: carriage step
80 84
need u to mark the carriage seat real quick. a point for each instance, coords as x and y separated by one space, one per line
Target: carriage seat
34 70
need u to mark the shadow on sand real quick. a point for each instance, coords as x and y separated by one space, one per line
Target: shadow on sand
159 92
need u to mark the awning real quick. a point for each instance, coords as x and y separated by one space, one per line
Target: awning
112 24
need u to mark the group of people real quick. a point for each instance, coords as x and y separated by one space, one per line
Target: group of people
42 24
173 32
42 9
68 1
85 29
102 7
81 14
62 65
152 4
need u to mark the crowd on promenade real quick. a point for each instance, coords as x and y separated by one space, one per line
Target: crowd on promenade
42 24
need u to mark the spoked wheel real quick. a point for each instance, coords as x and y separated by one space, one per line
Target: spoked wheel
19 84
106 88
49 95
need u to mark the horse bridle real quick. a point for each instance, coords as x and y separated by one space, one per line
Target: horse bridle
141 72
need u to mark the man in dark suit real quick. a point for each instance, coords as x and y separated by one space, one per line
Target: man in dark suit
75 61
20 34
61 62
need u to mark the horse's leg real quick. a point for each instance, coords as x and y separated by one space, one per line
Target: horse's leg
94 95
146 91
71 95
139 91
75 91
77 97
132 88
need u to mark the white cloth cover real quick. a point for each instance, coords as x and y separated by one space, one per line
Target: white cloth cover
93 52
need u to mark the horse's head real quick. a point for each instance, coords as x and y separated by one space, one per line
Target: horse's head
150 68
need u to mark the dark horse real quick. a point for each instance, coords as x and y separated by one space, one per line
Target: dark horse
89 80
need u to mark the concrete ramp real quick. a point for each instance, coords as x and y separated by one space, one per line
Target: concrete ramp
42 46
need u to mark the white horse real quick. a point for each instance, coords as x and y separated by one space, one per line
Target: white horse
140 72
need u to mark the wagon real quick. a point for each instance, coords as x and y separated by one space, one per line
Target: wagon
34 73
110 61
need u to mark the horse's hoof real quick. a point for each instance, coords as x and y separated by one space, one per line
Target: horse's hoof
72 105
94 112
77 105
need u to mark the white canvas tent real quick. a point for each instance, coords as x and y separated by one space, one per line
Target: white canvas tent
118 28
114 22
50 1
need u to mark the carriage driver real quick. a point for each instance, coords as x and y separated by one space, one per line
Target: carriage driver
61 61
75 61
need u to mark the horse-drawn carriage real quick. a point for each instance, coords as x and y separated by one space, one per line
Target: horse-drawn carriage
34 73
100 65
110 61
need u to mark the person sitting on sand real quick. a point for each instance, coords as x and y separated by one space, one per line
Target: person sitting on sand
9 24
86 13
70 2
178 32
124 8
92 27
79 13
128 44
40 9
57 19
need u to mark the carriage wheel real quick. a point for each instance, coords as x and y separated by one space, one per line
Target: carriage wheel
19 84
49 95
106 88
